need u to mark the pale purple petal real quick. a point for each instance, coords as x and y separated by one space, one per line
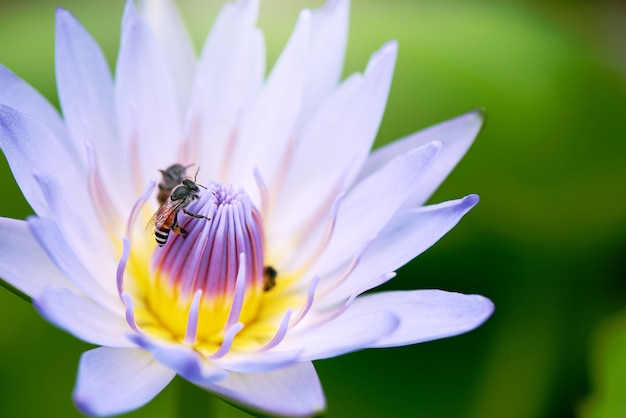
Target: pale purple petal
186 361
83 318
101 288
24 264
72 216
31 148
116 380
456 134
79 225
269 124
408 234
258 362
146 102
19 95
329 33
339 335
294 391
230 72
86 96
372 203
424 315
171 35
333 146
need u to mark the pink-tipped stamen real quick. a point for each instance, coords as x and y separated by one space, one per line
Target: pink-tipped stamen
280 333
240 288
121 266
228 341
328 232
138 205
334 313
104 206
192 319
339 190
130 310
351 266
190 145
310 296
263 191
230 149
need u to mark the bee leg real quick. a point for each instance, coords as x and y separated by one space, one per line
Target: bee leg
194 215
177 229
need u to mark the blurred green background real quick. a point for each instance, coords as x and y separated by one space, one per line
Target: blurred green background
546 243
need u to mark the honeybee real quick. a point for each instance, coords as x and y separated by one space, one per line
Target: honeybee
166 217
172 177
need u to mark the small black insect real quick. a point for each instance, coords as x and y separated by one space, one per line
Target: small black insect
269 276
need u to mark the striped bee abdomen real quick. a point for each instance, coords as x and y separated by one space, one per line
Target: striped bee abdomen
161 234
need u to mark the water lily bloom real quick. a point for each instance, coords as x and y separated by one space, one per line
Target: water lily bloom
274 215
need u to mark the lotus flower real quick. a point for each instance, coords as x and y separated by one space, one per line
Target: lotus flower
274 214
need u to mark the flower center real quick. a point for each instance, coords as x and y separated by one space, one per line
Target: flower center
209 279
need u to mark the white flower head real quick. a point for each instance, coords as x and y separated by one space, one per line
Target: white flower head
270 213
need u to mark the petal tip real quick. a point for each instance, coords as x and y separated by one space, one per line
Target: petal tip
82 404
436 145
61 12
471 200
484 307
390 47
383 59
333 5
481 112
473 120
64 17
305 14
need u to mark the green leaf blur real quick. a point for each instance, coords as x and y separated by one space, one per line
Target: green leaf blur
546 243
609 372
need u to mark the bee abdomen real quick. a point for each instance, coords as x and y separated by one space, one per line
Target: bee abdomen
161 235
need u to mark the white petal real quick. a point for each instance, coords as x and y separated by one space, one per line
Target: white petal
230 71
333 146
456 134
31 148
76 217
270 123
116 380
146 102
79 223
186 361
258 362
19 95
101 288
83 318
294 391
171 34
24 264
339 335
329 28
372 203
409 233
86 96
424 315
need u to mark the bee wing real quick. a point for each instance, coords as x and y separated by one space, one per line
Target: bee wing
160 216
165 213
152 222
